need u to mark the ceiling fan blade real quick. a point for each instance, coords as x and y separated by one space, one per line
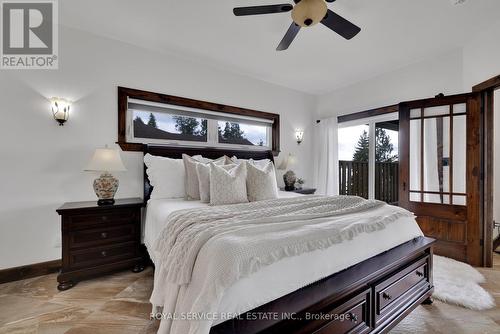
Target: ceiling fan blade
340 25
258 10
289 37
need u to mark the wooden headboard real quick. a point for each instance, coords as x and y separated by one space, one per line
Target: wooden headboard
175 152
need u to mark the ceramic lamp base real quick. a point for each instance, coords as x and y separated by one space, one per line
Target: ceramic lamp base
105 188
289 179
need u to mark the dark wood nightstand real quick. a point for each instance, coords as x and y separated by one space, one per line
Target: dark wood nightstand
99 239
303 191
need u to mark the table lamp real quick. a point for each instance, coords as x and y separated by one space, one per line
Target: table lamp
106 160
289 177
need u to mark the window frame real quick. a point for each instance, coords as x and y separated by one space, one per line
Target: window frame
128 143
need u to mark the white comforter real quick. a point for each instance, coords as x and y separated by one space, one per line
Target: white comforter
205 294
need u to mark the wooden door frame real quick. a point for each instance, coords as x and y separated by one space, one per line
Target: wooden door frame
487 90
472 244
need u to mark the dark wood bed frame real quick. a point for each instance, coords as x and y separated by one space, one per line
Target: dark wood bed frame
369 297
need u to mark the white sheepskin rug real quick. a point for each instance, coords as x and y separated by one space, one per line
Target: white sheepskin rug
458 283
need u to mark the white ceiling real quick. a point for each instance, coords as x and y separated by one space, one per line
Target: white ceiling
395 33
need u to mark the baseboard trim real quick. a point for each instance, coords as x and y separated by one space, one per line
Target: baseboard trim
29 271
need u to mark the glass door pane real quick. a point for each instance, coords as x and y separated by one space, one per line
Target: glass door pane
354 152
437 152
386 161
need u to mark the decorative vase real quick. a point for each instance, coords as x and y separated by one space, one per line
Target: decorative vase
105 188
289 178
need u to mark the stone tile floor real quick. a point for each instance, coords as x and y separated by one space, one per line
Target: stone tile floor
119 304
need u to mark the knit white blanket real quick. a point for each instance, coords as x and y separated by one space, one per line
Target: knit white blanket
243 238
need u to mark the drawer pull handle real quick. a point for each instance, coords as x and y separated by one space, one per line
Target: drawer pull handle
353 317
386 296
104 235
103 253
420 274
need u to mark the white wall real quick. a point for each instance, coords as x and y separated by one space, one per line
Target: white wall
421 80
481 60
41 163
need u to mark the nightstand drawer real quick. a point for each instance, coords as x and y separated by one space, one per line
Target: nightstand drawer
102 236
101 255
102 218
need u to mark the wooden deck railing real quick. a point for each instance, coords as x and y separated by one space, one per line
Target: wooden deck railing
353 180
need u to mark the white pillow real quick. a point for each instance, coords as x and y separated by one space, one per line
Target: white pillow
203 171
204 160
261 183
259 163
228 187
166 176
192 184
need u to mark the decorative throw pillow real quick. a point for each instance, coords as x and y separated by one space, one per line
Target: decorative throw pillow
203 171
166 176
192 183
228 187
259 163
261 183
202 159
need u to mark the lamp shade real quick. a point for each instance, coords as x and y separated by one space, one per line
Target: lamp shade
287 162
292 160
284 164
106 160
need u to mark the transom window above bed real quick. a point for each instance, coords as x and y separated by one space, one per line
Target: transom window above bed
186 123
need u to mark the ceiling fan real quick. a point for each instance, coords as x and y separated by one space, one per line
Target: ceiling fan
305 13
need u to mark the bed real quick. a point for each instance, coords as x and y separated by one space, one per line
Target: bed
367 289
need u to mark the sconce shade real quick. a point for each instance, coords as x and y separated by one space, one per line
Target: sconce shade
106 160
299 135
60 109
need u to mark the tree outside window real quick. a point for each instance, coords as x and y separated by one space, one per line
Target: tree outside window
384 149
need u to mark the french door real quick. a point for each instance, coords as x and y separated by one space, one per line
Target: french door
440 172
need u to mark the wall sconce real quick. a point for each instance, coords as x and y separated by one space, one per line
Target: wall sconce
299 135
60 109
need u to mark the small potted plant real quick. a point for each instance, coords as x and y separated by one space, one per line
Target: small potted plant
299 184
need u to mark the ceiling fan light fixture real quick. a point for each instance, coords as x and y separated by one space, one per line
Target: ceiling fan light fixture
309 12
